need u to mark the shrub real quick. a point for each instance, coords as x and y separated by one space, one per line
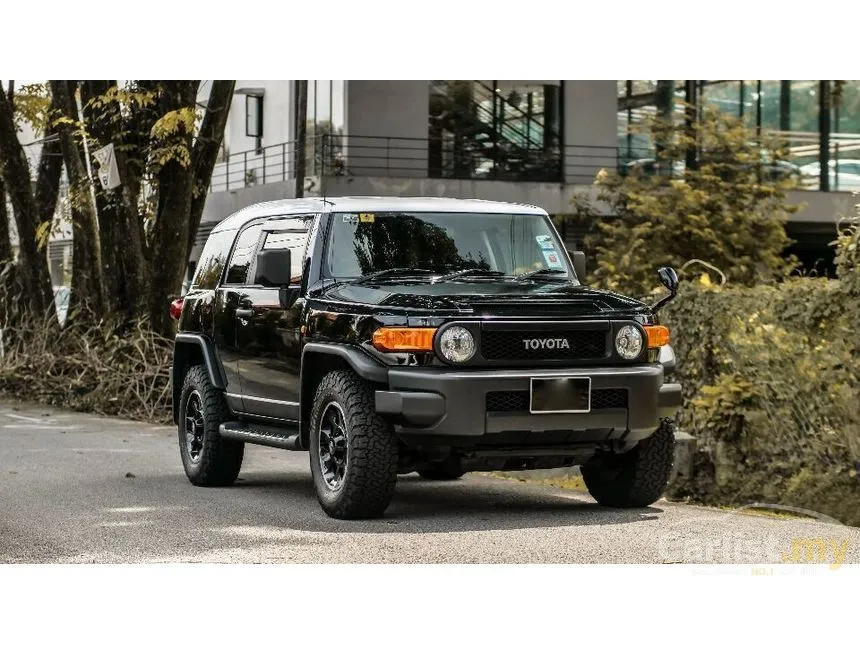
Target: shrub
728 209
772 394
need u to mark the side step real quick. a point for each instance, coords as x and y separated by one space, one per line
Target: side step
284 438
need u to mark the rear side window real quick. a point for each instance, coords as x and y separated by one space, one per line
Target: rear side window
212 260
243 253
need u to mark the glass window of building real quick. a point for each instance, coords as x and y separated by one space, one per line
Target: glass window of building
495 129
324 124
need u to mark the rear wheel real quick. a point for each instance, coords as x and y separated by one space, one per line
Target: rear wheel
636 478
353 451
209 460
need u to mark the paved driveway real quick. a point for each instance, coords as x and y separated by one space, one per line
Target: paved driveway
83 488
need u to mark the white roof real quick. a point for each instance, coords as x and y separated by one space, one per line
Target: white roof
377 204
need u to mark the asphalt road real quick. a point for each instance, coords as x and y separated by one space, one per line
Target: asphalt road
82 488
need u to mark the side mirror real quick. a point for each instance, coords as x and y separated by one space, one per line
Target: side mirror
273 268
578 259
669 279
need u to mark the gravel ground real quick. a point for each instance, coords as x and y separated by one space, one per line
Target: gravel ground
83 488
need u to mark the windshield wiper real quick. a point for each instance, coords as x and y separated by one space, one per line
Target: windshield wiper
391 272
536 272
467 272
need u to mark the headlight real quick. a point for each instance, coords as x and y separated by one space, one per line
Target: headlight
457 344
628 342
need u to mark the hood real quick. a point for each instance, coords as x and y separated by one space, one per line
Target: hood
488 298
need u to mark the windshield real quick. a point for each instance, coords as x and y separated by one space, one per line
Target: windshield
361 244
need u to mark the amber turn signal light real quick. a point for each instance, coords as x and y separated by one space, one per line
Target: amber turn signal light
404 339
658 335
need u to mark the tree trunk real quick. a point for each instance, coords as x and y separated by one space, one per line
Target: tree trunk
125 267
170 231
301 135
86 265
205 152
5 241
16 176
108 207
50 169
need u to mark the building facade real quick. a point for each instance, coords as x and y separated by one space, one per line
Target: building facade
534 141
540 142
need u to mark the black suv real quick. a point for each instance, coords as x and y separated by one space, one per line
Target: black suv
392 335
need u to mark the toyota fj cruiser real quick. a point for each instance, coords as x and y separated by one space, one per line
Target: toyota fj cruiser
392 335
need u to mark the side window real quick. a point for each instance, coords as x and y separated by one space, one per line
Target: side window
295 238
212 260
243 253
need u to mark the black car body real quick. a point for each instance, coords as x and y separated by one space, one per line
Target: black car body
372 286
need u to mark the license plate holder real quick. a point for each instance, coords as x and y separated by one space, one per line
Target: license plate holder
560 395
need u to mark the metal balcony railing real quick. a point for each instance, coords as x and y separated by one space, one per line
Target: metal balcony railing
445 158
267 165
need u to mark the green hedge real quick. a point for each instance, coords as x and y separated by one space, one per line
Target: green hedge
772 394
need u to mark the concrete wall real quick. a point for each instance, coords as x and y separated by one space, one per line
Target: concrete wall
277 115
590 128
379 109
821 208
555 198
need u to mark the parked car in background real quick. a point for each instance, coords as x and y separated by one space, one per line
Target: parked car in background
772 169
844 174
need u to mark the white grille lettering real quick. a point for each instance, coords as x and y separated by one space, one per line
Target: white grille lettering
546 343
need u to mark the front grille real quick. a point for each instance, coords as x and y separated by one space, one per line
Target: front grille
511 345
518 400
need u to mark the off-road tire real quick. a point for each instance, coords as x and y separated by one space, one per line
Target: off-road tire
371 465
636 478
220 459
441 470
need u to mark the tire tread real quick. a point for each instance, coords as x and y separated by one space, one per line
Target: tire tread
372 461
221 460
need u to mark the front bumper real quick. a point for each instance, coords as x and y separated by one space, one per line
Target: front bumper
453 403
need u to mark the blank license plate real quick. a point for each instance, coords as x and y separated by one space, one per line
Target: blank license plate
553 395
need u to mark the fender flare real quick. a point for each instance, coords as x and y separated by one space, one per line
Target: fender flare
210 361
210 357
364 365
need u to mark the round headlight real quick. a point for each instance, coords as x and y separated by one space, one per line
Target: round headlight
628 342
457 344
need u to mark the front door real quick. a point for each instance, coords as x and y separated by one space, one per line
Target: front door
229 305
269 334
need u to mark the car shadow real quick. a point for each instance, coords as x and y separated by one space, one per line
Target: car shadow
474 503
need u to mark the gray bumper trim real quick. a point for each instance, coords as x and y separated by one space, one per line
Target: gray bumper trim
453 401
669 399
416 408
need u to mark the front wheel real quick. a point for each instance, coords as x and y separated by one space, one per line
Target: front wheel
353 451
636 478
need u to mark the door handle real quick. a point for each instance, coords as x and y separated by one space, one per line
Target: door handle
244 314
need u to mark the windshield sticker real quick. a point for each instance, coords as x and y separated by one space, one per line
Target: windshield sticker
366 218
545 242
350 218
552 260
